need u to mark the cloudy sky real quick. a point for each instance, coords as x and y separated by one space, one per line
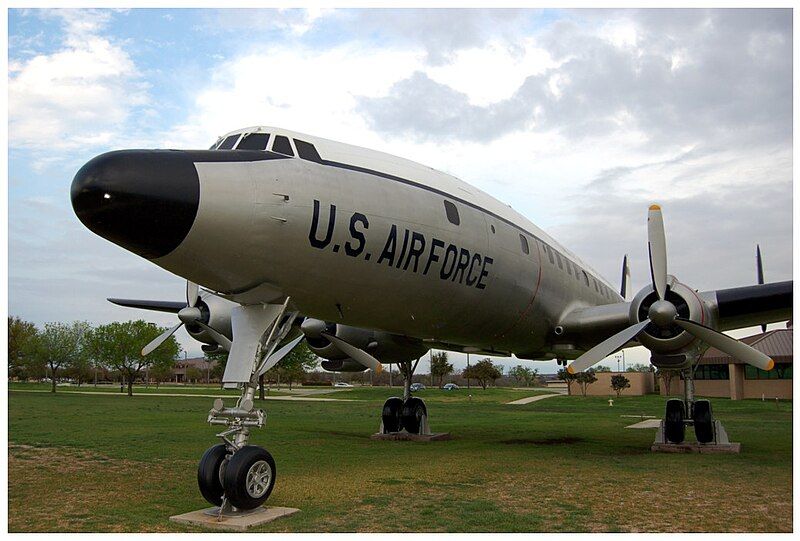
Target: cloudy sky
580 119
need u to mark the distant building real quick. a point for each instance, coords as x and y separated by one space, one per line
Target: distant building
203 366
720 375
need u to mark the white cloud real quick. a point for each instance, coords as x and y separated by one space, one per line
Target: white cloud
76 97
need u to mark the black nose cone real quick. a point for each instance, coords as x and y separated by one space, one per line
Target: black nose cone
143 200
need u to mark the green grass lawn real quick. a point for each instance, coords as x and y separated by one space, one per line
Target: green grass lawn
109 463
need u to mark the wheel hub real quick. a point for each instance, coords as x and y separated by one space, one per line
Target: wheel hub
258 478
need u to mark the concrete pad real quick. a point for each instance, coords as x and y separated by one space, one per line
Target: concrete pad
405 436
240 522
649 423
530 399
694 447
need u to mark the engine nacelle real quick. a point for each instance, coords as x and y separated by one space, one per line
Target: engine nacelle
387 348
342 365
216 313
670 345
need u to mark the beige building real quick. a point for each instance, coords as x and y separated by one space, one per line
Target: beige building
720 375
641 383
199 367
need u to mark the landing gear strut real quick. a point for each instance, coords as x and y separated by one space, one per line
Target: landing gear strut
233 475
408 414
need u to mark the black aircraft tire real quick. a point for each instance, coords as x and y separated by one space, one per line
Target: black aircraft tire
249 477
391 415
674 429
411 417
703 421
208 474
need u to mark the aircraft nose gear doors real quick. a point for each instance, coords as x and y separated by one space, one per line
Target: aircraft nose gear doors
234 475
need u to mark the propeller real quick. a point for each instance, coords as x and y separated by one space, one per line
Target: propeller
760 276
359 355
189 314
663 314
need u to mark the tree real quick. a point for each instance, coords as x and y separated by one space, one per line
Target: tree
294 366
193 374
602 369
118 345
639 367
20 333
586 378
57 346
568 378
619 382
161 372
524 374
483 371
440 367
666 376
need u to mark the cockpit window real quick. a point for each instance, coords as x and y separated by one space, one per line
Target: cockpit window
254 141
307 151
214 146
282 145
228 143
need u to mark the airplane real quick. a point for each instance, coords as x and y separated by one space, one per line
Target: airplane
375 259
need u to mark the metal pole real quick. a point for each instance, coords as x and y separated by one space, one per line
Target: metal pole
467 369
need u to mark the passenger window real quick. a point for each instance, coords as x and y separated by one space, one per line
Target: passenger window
524 242
452 213
228 143
558 258
550 254
307 151
254 141
282 145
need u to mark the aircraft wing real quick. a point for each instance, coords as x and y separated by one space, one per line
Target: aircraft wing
734 308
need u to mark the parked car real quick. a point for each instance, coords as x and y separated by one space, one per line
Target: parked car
450 387
417 387
342 384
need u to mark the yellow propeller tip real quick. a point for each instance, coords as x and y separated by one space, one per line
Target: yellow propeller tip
770 365
379 369
570 369
655 207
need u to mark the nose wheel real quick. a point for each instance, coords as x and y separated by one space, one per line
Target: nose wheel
244 479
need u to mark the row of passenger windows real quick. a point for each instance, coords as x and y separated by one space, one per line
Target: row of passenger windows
259 141
556 259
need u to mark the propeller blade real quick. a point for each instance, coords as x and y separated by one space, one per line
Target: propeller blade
358 355
192 293
157 306
723 342
160 339
218 337
657 248
276 357
606 348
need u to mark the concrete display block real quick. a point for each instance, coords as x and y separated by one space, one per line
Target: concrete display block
693 447
405 436
240 521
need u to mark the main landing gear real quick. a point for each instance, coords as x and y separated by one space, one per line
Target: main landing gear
234 475
408 414
680 413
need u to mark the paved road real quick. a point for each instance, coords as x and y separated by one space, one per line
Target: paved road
287 398
530 399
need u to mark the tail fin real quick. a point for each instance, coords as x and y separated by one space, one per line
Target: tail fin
625 286
760 275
